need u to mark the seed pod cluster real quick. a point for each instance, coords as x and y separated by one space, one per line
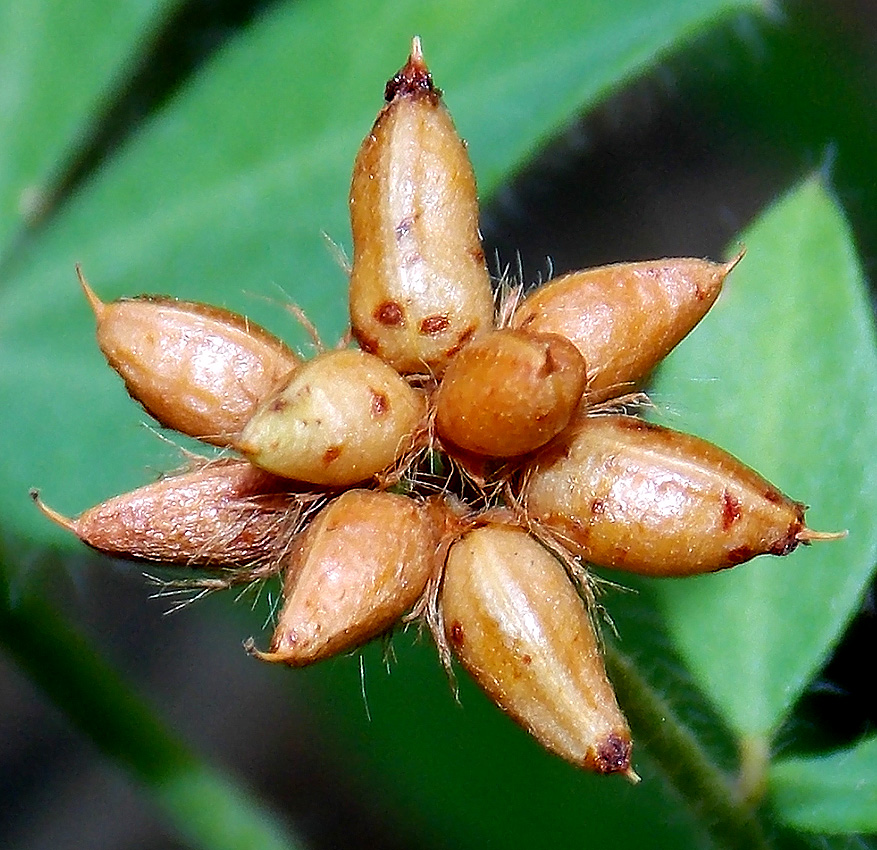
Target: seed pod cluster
538 475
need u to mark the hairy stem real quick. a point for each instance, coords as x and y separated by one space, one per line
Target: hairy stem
685 765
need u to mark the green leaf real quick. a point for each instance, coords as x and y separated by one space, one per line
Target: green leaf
833 793
60 61
223 198
783 374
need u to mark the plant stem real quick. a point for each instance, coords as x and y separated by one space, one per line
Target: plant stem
682 760
208 809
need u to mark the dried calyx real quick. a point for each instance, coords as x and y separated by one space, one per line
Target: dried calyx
499 430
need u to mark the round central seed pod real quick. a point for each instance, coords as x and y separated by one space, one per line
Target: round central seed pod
509 393
197 369
361 564
519 627
624 318
343 417
419 287
632 495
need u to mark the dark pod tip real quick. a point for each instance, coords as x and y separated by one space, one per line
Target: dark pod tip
413 79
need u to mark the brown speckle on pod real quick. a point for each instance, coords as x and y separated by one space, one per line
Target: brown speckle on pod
455 633
380 405
332 454
390 314
433 325
730 510
460 344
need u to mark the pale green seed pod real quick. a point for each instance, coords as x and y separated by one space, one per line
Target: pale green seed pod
509 392
419 287
517 624
342 418
358 568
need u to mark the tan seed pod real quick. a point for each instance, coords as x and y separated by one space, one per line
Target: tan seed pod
628 494
342 418
624 318
419 287
519 627
197 369
509 392
224 514
361 564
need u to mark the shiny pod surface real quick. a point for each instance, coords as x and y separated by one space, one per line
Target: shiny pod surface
519 627
361 564
509 392
624 318
419 287
226 513
628 494
197 369
342 418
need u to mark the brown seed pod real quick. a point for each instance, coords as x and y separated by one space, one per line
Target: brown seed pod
519 627
361 564
419 287
624 318
342 418
509 393
628 494
197 369
224 514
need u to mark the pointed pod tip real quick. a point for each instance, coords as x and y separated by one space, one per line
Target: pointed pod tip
271 657
808 535
632 776
413 79
416 50
94 302
59 519
730 265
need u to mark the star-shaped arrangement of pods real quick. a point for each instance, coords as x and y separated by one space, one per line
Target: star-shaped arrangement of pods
461 467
